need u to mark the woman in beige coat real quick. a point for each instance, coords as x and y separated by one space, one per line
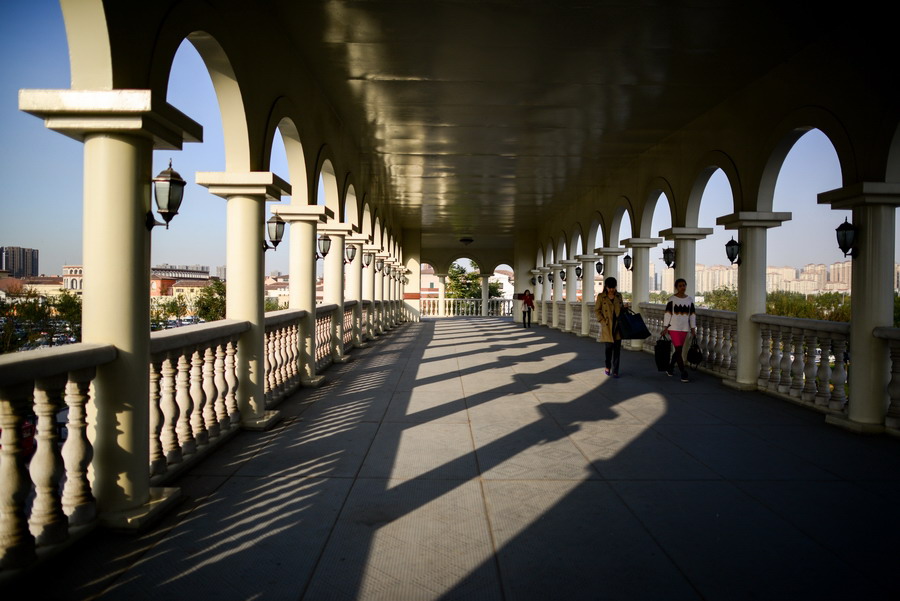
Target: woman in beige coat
608 307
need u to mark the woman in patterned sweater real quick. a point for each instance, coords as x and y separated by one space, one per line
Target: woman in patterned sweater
680 319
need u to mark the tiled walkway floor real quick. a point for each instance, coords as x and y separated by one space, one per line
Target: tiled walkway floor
475 459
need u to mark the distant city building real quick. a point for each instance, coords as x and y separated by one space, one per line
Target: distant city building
19 262
220 272
180 272
73 278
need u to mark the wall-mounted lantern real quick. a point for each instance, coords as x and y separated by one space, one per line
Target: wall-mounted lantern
846 238
168 189
275 227
733 251
669 257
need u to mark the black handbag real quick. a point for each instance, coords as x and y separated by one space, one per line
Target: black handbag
663 353
694 354
631 325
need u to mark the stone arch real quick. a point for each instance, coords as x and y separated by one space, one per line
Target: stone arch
325 173
892 166
708 165
783 138
90 50
620 209
351 207
657 187
561 248
595 233
282 120
576 238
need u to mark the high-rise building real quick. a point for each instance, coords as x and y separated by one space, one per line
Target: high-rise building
19 262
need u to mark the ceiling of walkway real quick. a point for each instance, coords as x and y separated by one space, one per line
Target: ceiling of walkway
483 115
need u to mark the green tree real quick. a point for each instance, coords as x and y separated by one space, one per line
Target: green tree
722 299
176 307
68 309
467 284
661 297
271 304
210 303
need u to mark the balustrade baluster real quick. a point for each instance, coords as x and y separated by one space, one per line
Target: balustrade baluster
718 336
823 375
185 408
726 345
797 365
168 436
765 354
838 375
77 501
808 394
282 376
198 399
892 419
294 356
221 404
157 457
786 360
231 377
16 542
210 392
775 361
48 523
268 375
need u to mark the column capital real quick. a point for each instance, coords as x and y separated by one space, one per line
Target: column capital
641 242
535 271
610 250
587 258
555 266
570 263
742 219
686 233
334 228
294 213
78 113
250 183
545 269
863 193
358 239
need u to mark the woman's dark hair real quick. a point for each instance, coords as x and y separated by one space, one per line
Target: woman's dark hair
609 282
680 280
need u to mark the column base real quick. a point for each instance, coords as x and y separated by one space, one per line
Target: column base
262 423
739 385
342 359
161 500
313 382
362 345
846 423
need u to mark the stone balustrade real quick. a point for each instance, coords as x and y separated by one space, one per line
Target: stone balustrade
716 336
497 307
325 314
349 312
44 396
892 337
804 359
193 385
282 354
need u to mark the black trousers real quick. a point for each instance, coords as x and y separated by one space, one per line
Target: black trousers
526 318
613 351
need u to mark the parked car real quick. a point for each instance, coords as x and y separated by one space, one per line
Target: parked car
28 432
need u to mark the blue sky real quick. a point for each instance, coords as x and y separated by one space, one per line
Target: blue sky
42 170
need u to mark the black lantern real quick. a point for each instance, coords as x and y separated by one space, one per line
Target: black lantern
349 254
846 238
533 281
379 264
540 279
669 257
168 188
733 251
550 277
562 275
275 226
599 267
324 245
626 260
367 259
578 271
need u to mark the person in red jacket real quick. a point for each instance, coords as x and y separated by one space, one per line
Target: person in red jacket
527 308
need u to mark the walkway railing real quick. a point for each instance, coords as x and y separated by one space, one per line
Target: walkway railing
805 360
453 307
45 452
44 397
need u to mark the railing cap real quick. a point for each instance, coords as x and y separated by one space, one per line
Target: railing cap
27 366
820 325
274 318
169 340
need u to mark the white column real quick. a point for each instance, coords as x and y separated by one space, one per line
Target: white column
610 256
120 129
303 220
546 296
686 252
485 294
369 290
246 194
555 294
354 290
751 228
640 279
442 292
873 206
379 293
537 290
571 292
333 289
588 290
